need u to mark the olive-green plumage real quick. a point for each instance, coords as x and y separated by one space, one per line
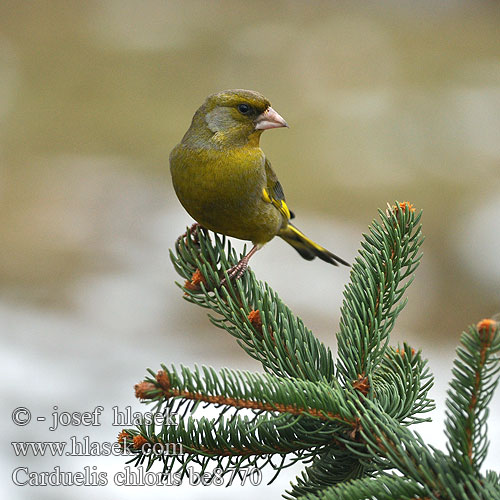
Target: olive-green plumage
223 179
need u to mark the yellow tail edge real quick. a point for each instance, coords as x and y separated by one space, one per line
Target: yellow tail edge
307 248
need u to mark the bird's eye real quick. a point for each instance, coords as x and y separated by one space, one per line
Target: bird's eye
244 109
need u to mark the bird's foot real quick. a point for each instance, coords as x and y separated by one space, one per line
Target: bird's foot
237 271
191 232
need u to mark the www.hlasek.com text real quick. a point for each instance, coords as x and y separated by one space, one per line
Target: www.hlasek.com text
84 447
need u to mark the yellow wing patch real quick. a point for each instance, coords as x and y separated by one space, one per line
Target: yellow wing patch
265 196
279 204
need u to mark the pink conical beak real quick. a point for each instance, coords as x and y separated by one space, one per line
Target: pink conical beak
269 119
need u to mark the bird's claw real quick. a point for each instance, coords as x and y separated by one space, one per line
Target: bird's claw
191 232
235 272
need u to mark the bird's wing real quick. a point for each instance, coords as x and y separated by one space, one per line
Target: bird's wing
273 192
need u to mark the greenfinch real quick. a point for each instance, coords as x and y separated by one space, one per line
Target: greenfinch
225 182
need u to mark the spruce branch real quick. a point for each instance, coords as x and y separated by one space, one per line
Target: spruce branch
403 381
234 442
424 471
382 488
347 418
249 310
475 377
330 468
373 298
246 390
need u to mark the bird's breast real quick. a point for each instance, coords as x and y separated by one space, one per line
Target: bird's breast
222 190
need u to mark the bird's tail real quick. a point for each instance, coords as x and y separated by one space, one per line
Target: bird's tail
307 248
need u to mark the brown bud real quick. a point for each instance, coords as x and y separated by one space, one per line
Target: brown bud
163 381
142 389
255 320
486 329
196 279
123 436
139 441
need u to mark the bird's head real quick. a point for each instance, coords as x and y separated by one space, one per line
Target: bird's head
232 118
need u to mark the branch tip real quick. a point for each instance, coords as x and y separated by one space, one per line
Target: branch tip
123 436
163 381
486 329
402 352
143 390
403 205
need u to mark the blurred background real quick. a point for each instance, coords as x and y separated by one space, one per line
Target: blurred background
398 100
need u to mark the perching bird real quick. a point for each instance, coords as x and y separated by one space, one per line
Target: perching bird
226 183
